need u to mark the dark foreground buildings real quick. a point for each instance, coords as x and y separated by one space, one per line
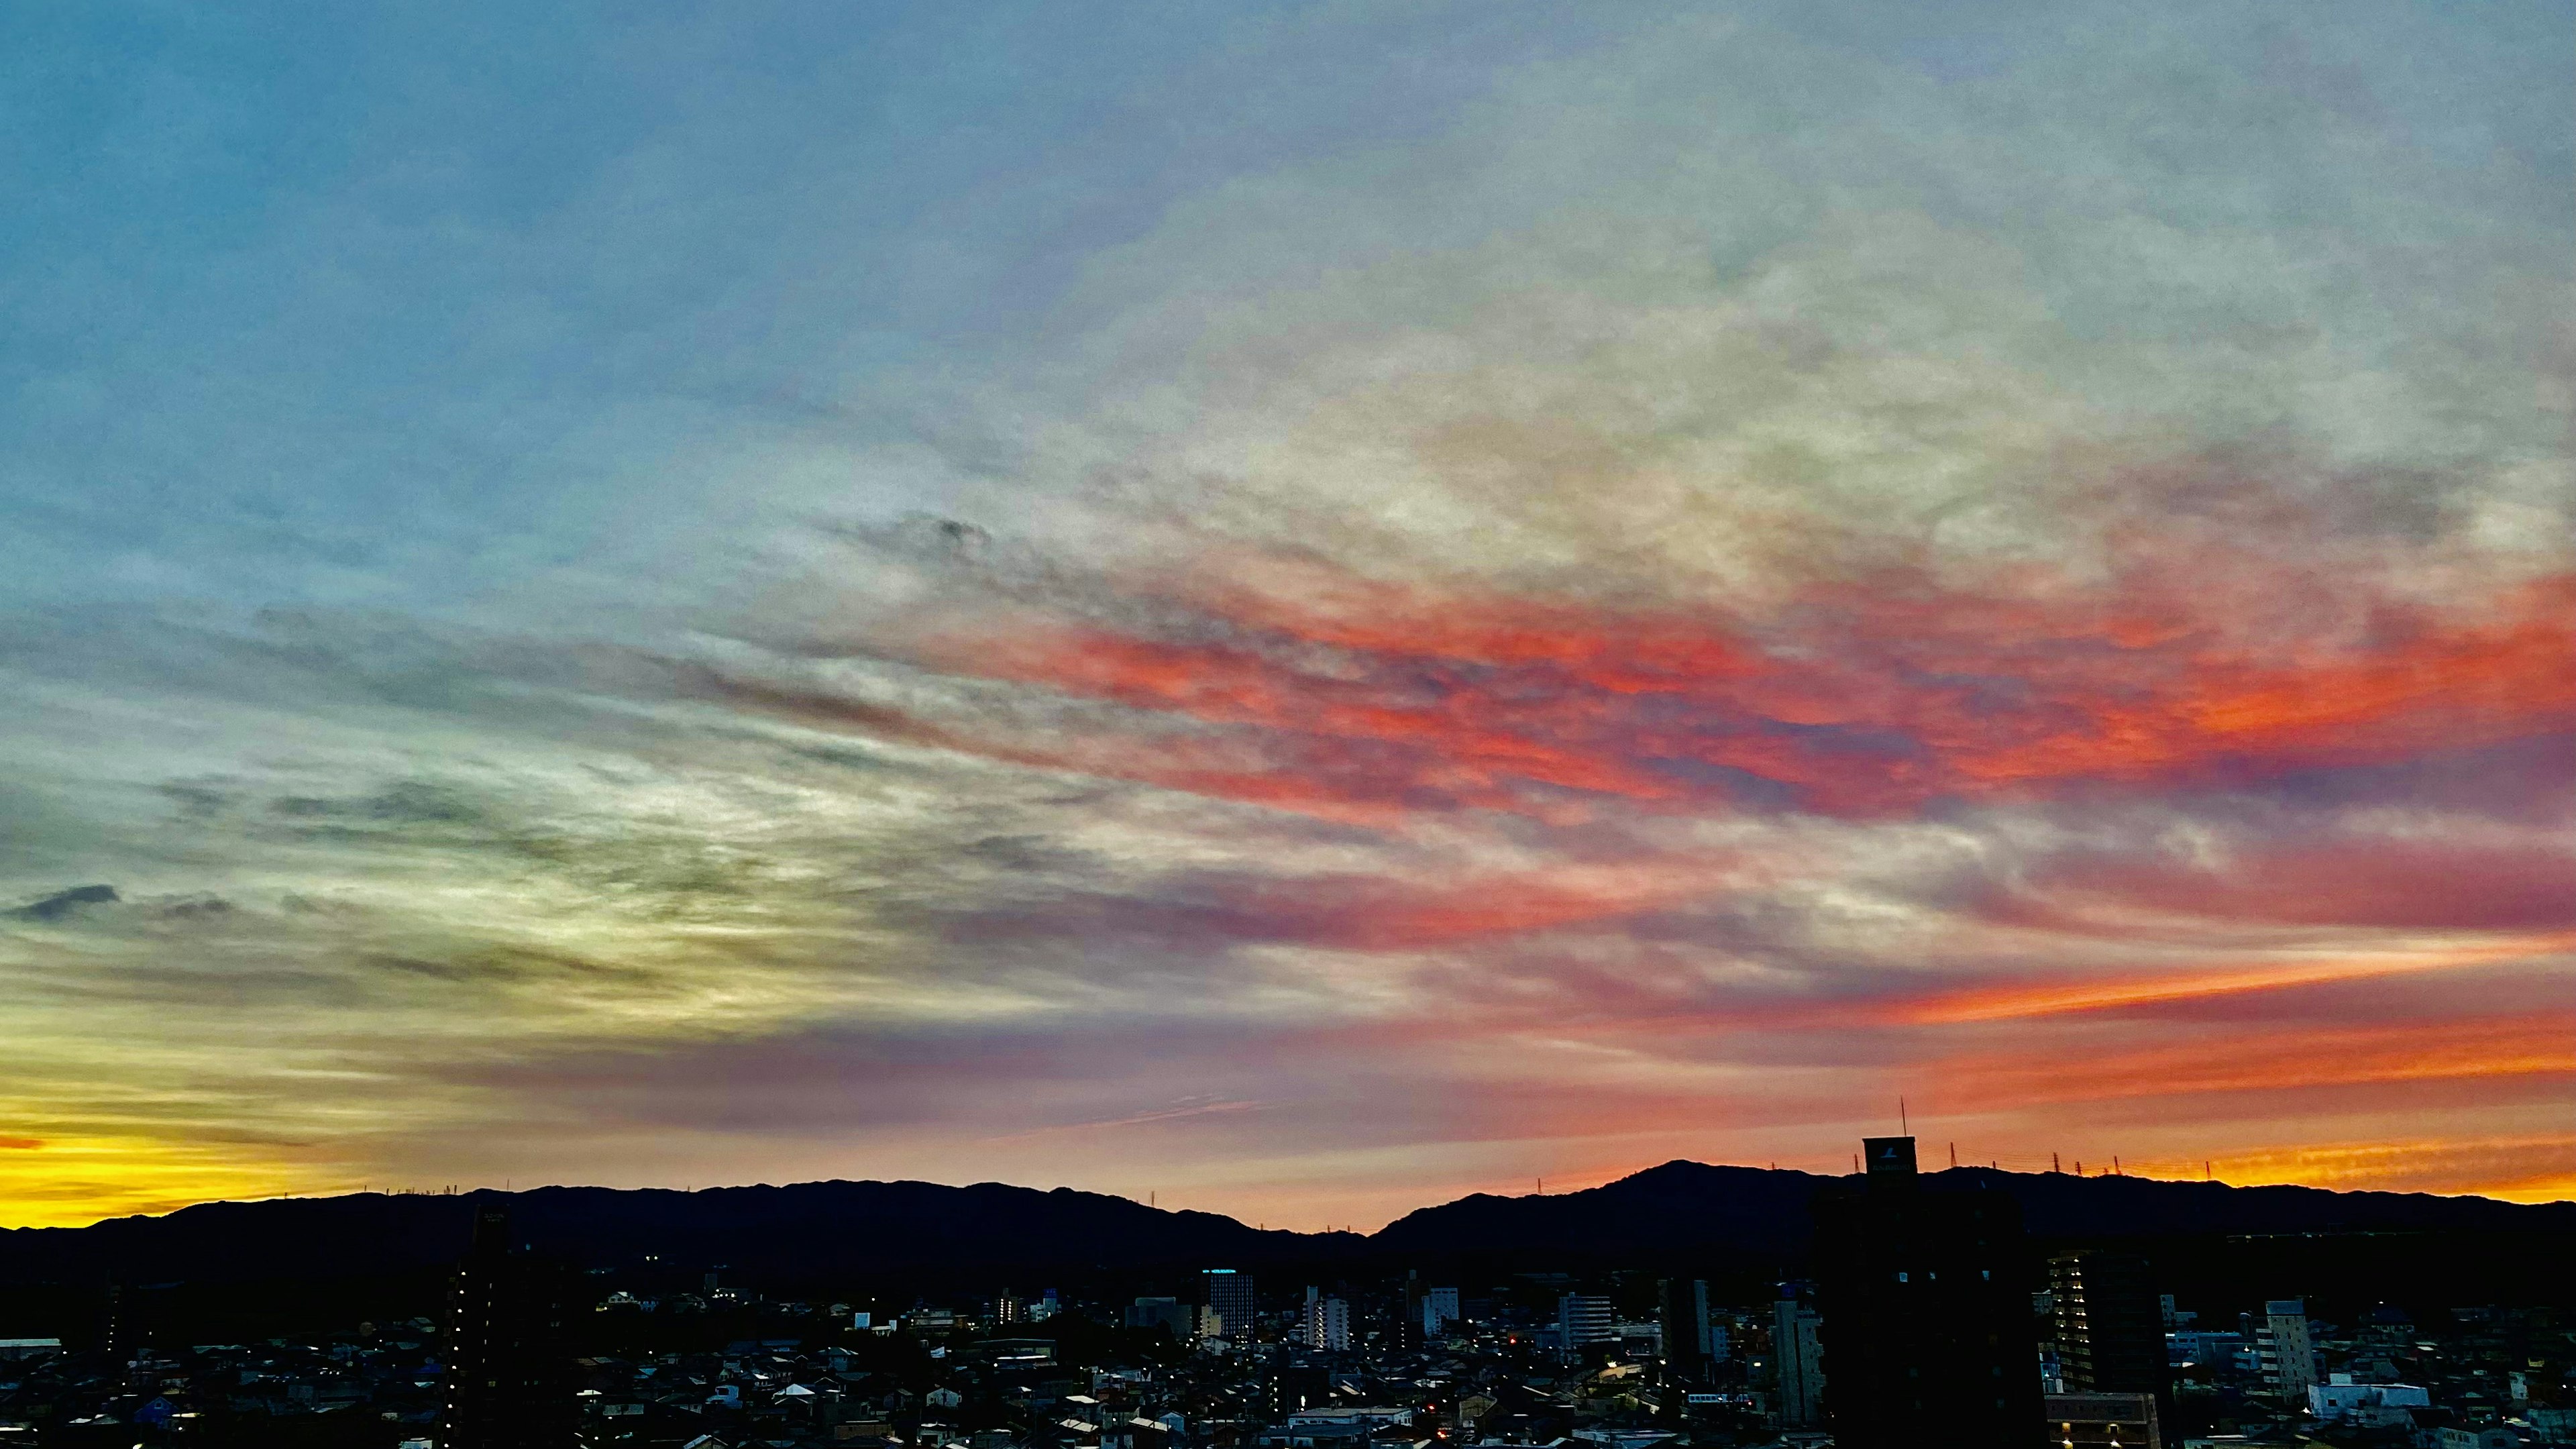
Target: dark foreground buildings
2103 1421
509 1382
1927 1331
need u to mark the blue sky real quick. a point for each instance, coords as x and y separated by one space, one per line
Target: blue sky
395 303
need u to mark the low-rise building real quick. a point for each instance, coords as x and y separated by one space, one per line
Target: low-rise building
2097 1420
2339 1397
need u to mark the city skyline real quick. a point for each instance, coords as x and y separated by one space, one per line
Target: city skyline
1296 612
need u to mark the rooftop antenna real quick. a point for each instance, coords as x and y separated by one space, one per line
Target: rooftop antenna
1903 1128
1954 1154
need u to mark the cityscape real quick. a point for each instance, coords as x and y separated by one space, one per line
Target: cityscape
1928 1315
1288 724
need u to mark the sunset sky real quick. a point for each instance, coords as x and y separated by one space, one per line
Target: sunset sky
1299 608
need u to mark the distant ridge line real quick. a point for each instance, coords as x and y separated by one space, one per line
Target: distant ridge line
1679 1209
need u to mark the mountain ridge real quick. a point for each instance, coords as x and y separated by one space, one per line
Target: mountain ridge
1685 1204
1678 1208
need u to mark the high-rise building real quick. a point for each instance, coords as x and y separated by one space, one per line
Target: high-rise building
1797 1357
508 1369
2109 1323
1682 1307
117 1333
1927 1331
1584 1320
2282 1353
1439 1311
1229 1292
1327 1323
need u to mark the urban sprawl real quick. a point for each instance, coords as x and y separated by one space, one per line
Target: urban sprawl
1920 1327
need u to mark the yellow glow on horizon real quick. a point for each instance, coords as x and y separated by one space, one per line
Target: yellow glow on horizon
2496 1168
78 1182
73 1182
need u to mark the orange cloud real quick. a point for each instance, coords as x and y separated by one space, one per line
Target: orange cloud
1857 700
1293 686
2275 1059
2111 992
2524 1169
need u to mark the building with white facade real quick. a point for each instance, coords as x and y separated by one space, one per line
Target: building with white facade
1327 1323
1439 1310
1799 1354
1583 1320
2340 1398
2283 1354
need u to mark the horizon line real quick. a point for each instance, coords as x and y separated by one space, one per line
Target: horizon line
462 1190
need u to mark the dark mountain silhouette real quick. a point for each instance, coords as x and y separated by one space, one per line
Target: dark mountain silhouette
801 1228
1749 1216
1680 1208
1694 1209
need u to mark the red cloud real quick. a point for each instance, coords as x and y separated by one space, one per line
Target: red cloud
1858 700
